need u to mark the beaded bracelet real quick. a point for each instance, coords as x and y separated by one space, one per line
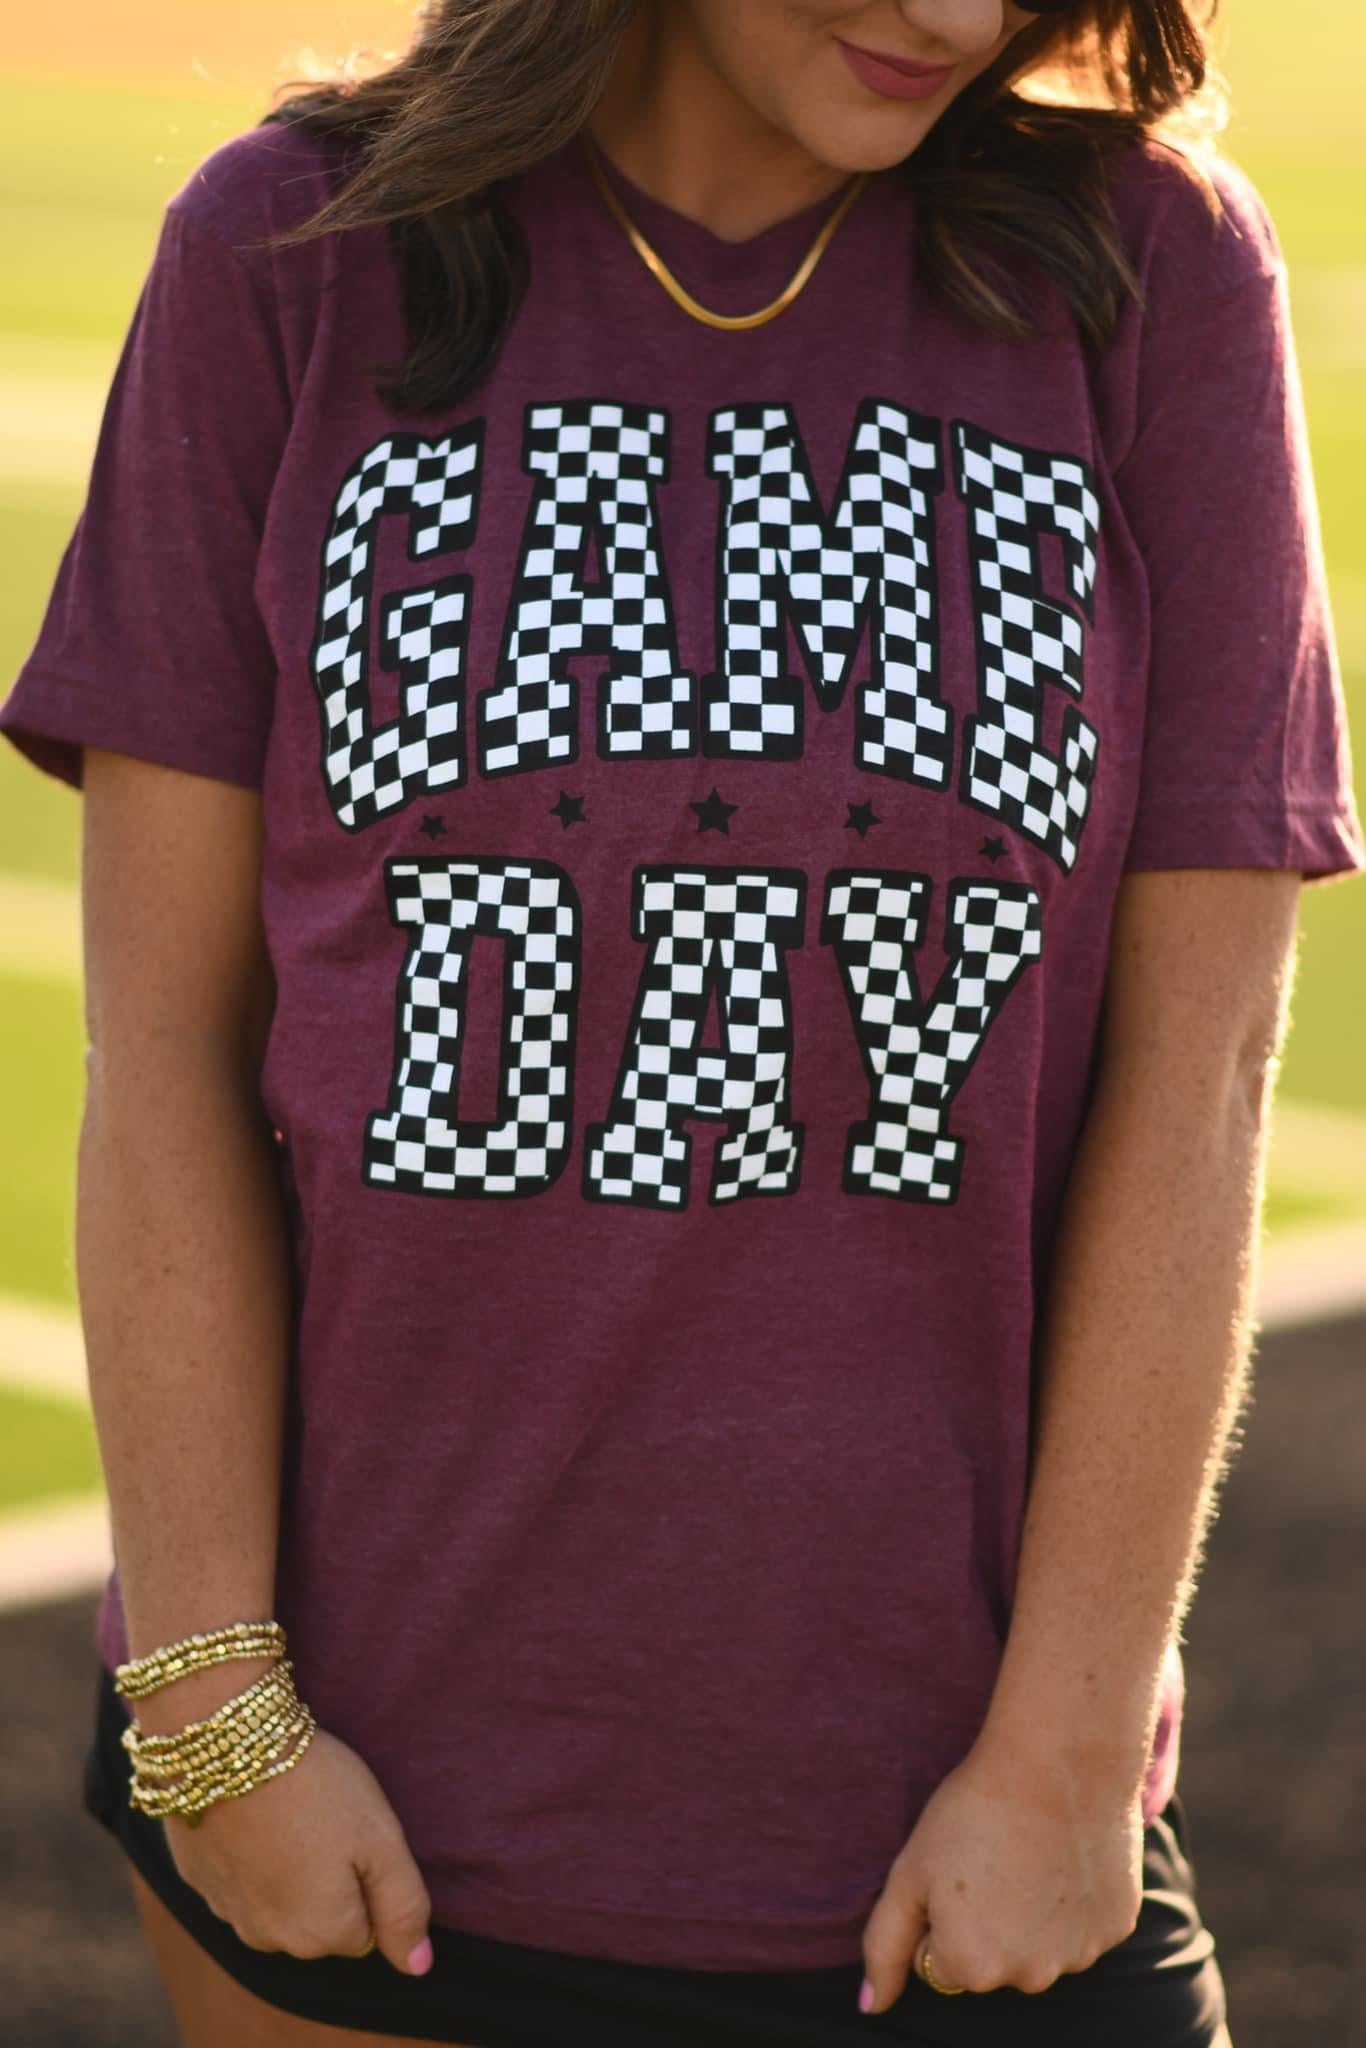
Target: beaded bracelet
237 1747
216 1734
190 1797
191 1805
143 1675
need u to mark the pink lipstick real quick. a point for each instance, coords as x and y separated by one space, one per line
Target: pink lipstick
897 78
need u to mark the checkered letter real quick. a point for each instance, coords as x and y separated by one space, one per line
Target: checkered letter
371 768
594 461
721 928
917 1056
1025 639
418 1142
782 558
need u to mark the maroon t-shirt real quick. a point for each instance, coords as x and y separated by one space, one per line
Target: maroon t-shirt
697 771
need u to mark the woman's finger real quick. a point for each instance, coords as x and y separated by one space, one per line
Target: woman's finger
890 1938
399 1903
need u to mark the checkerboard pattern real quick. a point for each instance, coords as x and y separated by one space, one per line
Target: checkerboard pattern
368 769
781 549
1025 639
918 1056
532 907
730 927
603 458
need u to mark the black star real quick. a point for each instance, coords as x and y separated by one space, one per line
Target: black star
861 816
569 810
431 827
992 848
713 815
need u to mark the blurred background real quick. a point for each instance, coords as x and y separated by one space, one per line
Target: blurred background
107 111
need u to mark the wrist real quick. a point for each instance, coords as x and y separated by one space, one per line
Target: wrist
1048 1751
197 1694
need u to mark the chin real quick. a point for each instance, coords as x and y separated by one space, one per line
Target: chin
865 145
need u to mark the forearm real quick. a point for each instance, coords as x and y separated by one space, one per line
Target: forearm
183 1273
1142 1367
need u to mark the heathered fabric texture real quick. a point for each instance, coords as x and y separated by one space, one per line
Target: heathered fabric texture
697 773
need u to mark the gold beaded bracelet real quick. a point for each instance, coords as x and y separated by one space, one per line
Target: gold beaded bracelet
198 1741
236 1748
191 1796
143 1675
191 1805
159 1780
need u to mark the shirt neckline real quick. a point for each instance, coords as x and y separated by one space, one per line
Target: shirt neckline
756 267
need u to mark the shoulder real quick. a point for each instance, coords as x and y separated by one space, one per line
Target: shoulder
218 251
263 181
1194 228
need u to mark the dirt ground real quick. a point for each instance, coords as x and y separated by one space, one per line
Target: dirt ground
1273 1769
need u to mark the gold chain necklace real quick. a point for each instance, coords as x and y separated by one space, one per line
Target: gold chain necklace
653 261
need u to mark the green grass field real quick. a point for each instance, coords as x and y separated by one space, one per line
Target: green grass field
84 170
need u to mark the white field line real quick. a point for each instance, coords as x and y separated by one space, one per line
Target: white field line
54 1551
42 1348
1349 615
1313 1275
52 398
1316 1150
56 1548
48 427
1328 308
40 928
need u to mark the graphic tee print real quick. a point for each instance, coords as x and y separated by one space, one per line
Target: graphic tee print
697 770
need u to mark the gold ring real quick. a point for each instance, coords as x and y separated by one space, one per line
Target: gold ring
927 1972
371 1944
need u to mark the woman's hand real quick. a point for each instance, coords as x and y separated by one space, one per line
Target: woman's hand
310 1861
1017 1871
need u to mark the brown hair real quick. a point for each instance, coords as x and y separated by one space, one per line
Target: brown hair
488 87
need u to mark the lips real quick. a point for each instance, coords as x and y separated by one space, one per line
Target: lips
899 80
905 65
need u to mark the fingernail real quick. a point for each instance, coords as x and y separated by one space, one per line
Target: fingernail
866 1996
421 1959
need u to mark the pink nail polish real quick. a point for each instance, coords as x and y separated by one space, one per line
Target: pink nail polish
866 1996
421 1959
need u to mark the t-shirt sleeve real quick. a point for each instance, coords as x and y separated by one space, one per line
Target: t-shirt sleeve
153 643
1246 756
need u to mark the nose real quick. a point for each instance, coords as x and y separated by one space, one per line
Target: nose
954 29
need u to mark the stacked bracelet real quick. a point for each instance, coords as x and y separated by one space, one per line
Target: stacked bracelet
194 1653
244 1742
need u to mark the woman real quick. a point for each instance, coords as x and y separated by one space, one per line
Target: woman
700 665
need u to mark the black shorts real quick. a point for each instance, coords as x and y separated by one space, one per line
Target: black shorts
1162 1988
